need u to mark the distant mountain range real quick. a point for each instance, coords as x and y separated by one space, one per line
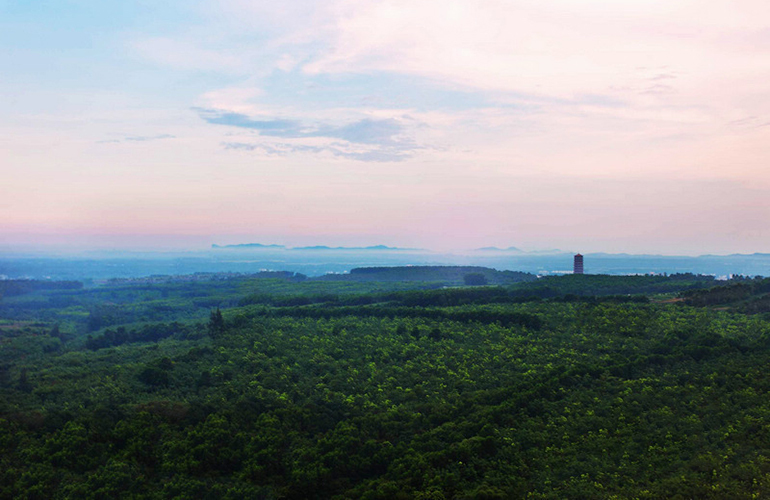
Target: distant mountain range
374 247
520 251
260 246
246 246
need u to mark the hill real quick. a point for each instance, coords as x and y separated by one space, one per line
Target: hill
448 275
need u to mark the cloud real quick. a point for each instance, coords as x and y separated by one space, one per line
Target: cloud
378 155
382 155
273 149
557 48
367 139
366 131
282 128
749 122
504 79
236 99
138 138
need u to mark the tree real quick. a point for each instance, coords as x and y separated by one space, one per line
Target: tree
475 279
24 384
56 332
216 323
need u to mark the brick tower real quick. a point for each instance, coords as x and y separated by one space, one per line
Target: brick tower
578 268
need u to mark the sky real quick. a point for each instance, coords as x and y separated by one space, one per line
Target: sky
637 126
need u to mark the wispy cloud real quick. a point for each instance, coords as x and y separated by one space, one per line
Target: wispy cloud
138 138
366 131
367 139
276 126
750 122
377 155
145 138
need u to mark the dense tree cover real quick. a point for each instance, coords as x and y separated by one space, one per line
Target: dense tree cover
746 295
446 274
10 288
126 302
146 333
443 297
600 284
475 279
416 394
484 315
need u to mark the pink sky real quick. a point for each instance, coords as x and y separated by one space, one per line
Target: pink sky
634 126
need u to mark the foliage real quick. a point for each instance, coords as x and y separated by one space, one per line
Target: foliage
9 288
475 279
273 388
445 274
748 295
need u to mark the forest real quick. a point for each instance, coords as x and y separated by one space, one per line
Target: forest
443 383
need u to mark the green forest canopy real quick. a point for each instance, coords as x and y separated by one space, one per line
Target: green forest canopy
274 387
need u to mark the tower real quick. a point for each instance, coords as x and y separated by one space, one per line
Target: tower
578 267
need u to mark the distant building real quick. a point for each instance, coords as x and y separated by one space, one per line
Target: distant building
578 268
